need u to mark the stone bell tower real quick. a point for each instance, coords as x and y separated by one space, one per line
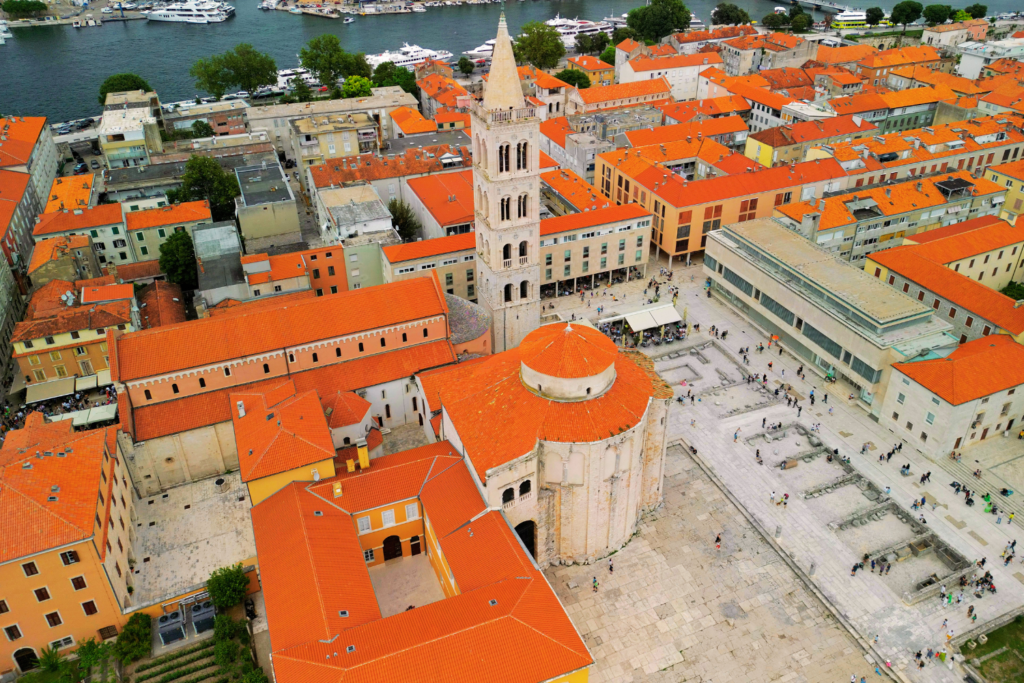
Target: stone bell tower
506 192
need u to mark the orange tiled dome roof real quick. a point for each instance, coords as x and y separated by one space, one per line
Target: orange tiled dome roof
567 351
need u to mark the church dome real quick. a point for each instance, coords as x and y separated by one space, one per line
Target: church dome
568 362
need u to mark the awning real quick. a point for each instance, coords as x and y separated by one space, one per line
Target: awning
85 383
102 413
48 390
103 378
18 384
665 315
81 418
640 321
998 200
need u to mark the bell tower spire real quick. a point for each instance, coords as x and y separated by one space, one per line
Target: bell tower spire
506 194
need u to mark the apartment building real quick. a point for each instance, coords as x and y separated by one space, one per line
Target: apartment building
951 35
266 209
129 129
690 42
857 224
443 203
321 270
17 216
976 57
408 122
315 139
895 111
63 258
1011 176
714 82
564 192
835 317
76 192
597 71
767 109
750 54
150 228
452 258
728 131
103 223
574 141
846 56
65 566
784 145
707 108
875 68
437 91
921 77
225 118
588 100
681 71
28 147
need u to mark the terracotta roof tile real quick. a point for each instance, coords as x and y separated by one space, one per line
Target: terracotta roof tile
845 54
344 408
448 197
609 93
557 129
231 307
707 128
411 122
21 133
974 370
592 218
161 303
573 189
642 64
139 270
683 112
438 246
906 55
567 352
172 214
65 221
720 33
102 293
589 63
55 248
70 193
368 167
75 319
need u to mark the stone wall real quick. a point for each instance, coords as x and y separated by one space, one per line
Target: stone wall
159 464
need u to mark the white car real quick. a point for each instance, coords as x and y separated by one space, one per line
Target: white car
107 10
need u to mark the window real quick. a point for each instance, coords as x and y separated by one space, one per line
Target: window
4 609
388 517
30 569
12 632
144 250
161 232
227 372
316 273
412 511
952 312
53 618
368 555
364 524
330 270
42 594
89 607
901 398
930 418
970 321
78 583
69 557
149 394
174 388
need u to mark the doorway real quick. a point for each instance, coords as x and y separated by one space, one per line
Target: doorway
414 545
527 531
26 659
392 548
984 434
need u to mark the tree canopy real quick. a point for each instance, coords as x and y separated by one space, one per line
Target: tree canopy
357 86
624 33
178 260
301 90
404 219
801 23
465 65
774 21
227 585
205 179
659 19
325 59
539 44
134 641
962 15
728 13
574 77
388 73
243 66
936 14
977 11
201 129
874 16
22 8
906 12
122 83
608 56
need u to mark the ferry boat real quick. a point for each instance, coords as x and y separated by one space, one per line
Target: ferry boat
855 19
408 55
620 22
191 12
285 76
570 28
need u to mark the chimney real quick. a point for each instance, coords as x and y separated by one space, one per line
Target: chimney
809 224
888 192
919 186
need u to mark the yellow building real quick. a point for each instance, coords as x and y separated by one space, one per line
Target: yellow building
1010 176
787 144
599 73
129 129
318 138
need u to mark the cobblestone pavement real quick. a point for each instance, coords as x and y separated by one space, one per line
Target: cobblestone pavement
676 609
871 604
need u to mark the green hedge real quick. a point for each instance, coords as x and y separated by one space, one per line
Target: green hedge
181 673
205 645
175 665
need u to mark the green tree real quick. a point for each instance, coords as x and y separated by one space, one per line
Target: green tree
795 11
404 219
91 653
388 73
357 65
598 43
211 76
227 585
659 19
936 14
225 628
1014 290
584 45
774 21
906 12
135 640
201 129
539 44
205 179
962 15
254 676
466 65
357 86
225 653
50 659
250 68
574 77
23 8
977 11
178 260
801 23
728 13
624 33
874 16
326 60
301 90
121 83
608 56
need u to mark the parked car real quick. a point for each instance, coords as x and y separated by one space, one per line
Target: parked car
94 164
80 169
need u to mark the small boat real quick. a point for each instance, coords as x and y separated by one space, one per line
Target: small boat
349 20
417 8
295 10
781 10
76 24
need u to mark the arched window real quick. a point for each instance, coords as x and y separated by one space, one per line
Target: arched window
508 292
506 252
521 156
483 155
524 488
521 206
524 248
503 158
382 342
524 290
337 352
266 368
508 495
347 441
506 208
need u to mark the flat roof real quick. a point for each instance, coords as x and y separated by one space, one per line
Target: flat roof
456 138
841 279
264 184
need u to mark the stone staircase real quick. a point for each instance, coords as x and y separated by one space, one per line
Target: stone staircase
964 474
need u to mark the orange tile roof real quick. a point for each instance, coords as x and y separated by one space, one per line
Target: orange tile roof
79 318
547 162
953 230
845 54
906 55
231 307
21 133
213 340
444 91
628 45
974 370
171 214
620 91
776 42
282 430
57 247
786 77
368 167
997 234
706 128
858 104
556 129
1013 169
589 63
711 107
161 303
100 281
373 439
139 270
963 291
344 408
92 295
720 33
446 115
70 193
438 246
662 50
541 79
761 96
46 300
411 122
567 352
517 418
844 77
448 197
201 410
641 64
66 221
67 471
573 189
592 218
12 191
913 97
810 131
923 74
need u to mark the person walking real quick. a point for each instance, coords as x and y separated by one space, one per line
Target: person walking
595 584
611 568
799 410
736 435
945 625
772 499
718 542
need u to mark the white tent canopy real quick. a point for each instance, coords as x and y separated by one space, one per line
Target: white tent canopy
647 318
51 389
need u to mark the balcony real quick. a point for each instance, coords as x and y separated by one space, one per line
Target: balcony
507 263
504 115
524 260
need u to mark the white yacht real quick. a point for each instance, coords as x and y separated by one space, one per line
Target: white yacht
408 55
484 51
191 12
285 76
570 28
616 22
696 24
